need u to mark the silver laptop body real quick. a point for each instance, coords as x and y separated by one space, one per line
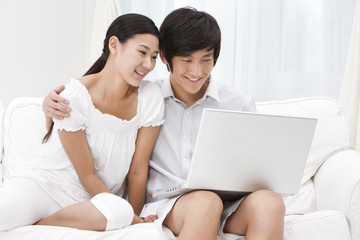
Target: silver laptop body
240 152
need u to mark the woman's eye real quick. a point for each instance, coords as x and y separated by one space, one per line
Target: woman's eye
143 52
154 57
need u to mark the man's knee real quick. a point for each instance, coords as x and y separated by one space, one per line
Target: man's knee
206 201
198 210
266 201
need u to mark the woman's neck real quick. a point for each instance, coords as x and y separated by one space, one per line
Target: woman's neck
111 95
107 87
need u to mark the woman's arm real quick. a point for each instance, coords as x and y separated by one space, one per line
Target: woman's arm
77 149
137 175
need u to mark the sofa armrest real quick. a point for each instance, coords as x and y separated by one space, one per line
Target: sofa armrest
337 187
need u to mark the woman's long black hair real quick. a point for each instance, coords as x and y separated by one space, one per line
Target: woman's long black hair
124 27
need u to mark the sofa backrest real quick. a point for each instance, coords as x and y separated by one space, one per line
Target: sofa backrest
24 128
330 134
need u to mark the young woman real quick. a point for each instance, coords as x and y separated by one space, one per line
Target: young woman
79 173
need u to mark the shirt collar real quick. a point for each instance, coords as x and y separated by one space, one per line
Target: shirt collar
166 89
211 91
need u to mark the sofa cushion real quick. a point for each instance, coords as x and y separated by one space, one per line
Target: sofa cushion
330 133
329 225
302 202
24 128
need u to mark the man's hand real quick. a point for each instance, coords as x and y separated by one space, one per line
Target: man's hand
52 107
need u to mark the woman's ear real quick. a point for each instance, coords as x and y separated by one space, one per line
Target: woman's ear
163 58
164 61
114 44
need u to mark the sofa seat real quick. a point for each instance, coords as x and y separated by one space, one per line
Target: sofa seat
327 205
135 232
329 225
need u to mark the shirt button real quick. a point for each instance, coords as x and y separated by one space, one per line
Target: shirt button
188 113
186 137
185 159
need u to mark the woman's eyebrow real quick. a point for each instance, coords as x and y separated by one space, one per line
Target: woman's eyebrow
144 46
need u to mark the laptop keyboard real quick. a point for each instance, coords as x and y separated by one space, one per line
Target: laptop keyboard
175 188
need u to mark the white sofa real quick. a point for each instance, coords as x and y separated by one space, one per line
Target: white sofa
326 207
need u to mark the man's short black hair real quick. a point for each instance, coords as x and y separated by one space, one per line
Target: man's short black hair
186 30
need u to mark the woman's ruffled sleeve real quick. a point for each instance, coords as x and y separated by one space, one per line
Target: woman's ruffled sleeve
152 105
79 109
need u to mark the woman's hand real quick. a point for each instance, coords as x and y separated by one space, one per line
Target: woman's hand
55 106
150 218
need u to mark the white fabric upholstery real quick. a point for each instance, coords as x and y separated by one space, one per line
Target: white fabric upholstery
24 126
329 225
303 202
146 231
337 186
326 207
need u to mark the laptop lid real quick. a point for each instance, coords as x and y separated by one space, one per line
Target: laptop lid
245 152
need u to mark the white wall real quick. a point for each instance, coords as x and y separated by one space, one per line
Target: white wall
43 43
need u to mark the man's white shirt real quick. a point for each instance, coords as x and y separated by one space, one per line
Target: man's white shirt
171 157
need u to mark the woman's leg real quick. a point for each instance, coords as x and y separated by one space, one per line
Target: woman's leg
105 211
23 202
83 215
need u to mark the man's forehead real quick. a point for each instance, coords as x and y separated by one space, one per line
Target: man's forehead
201 52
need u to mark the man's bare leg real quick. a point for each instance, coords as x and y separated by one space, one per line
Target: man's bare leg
195 215
259 216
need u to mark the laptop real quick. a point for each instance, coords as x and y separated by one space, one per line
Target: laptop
240 152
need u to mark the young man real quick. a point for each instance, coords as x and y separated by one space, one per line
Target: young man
190 46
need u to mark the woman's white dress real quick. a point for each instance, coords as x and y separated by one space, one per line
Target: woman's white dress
111 141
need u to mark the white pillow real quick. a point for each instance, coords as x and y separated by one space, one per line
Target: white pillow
24 125
1 137
330 133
